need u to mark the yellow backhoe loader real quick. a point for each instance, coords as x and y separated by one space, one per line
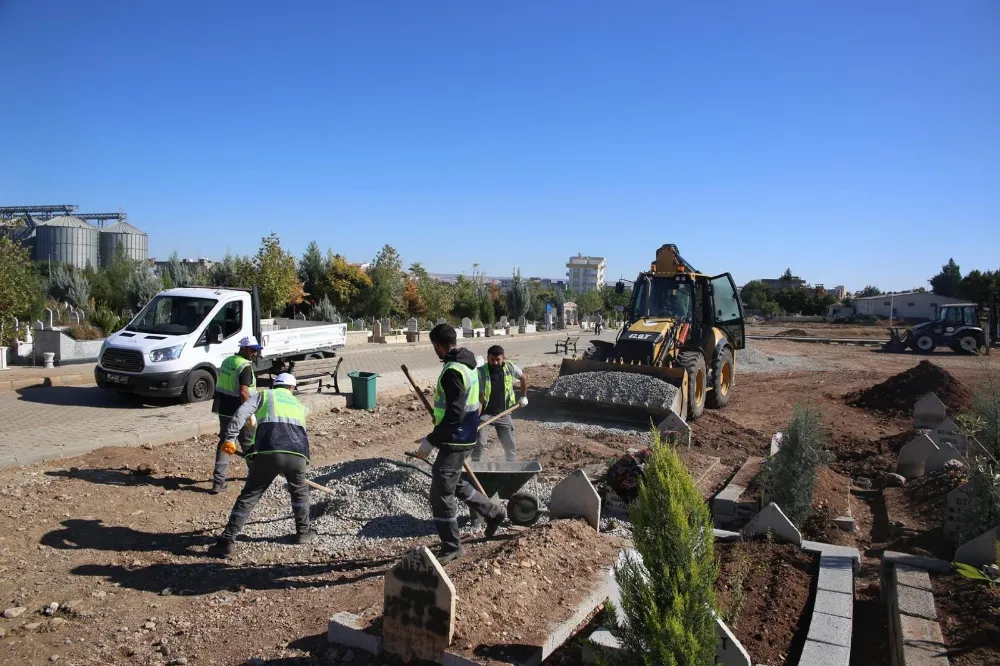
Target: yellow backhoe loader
681 327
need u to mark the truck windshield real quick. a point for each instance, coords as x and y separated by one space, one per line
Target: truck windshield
666 297
172 315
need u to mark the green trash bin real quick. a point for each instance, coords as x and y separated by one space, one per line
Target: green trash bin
363 389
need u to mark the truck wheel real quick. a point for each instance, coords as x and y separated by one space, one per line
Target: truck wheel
723 377
694 363
200 386
924 344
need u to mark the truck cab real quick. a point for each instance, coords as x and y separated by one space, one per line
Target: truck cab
176 344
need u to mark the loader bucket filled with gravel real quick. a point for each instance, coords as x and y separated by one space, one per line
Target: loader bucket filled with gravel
628 395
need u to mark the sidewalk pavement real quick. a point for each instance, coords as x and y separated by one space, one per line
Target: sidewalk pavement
67 421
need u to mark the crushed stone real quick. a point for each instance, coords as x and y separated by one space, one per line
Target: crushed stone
617 388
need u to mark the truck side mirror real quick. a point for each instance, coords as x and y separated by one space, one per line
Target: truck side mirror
619 287
215 336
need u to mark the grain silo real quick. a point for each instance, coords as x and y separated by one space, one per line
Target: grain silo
69 240
122 236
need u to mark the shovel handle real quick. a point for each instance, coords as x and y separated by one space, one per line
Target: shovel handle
483 424
322 489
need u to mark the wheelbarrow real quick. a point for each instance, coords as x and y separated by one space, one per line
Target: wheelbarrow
506 480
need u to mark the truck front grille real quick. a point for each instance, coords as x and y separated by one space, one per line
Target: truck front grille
124 360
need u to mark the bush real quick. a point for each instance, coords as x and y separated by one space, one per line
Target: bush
84 332
790 475
106 320
668 601
983 486
477 323
323 311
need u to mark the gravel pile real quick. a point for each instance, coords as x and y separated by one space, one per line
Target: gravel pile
622 388
757 358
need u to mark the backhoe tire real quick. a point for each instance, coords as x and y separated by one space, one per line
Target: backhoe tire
723 377
694 363
924 344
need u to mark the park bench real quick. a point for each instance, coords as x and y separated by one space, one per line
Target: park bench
314 371
567 343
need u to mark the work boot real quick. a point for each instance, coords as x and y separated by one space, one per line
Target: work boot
446 556
305 537
218 488
494 524
222 548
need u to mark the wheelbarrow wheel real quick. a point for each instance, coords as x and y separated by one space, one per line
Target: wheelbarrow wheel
522 509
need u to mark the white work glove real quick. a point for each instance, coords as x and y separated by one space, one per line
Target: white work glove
523 401
253 422
425 449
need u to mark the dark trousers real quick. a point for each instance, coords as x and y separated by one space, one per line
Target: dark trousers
222 459
447 484
263 470
505 431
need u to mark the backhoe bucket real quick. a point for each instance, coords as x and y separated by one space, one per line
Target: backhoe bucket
597 402
898 342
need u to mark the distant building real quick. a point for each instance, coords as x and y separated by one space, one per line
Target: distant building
585 273
781 283
363 265
194 265
910 305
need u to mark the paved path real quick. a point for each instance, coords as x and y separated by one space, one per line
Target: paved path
66 421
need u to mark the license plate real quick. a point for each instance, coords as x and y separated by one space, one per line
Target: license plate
117 379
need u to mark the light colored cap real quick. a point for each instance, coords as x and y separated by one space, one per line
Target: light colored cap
479 361
285 379
250 342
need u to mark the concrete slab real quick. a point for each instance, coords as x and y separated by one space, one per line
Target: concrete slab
915 602
840 604
913 456
929 412
347 629
912 577
815 653
892 558
833 551
772 519
830 629
836 574
576 497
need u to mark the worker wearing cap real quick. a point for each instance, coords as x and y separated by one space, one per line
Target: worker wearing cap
456 419
496 394
236 384
279 447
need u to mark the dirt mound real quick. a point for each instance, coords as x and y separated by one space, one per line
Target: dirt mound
899 393
793 333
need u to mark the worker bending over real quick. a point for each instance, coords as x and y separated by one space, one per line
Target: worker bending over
237 383
496 394
279 447
456 420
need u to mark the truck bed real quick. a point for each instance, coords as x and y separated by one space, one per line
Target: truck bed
287 337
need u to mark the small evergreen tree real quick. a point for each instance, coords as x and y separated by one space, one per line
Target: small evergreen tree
323 311
486 311
668 599
518 297
790 475
983 487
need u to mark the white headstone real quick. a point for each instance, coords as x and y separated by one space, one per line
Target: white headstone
301 316
913 456
503 321
776 440
386 323
677 427
442 320
929 411
575 497
935 462
418 615
957 504
411 325
522 321
729 651
948 432
359 324
466 324
772 519
76 316
49 310
38 324
980 551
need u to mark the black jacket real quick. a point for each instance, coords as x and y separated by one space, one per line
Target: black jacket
451 383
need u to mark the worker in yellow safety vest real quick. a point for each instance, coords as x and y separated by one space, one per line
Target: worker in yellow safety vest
496 389
279 447
236 384
456 421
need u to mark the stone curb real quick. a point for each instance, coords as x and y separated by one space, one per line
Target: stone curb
915 637
14 385
345 629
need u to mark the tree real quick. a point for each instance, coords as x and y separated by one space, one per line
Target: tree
312 271
870 290
324 311
346 285
436 296
787 275
143 285
177 271
275 276
16 283
948 281
386 293
771 309
588 303
790 475
465 300
754 295
486 311
977 286
668 599
411 299
69 285
518 297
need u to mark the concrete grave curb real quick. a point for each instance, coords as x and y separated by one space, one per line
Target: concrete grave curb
729 508
915 637
14 385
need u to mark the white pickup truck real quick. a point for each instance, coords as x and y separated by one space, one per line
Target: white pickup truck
176 344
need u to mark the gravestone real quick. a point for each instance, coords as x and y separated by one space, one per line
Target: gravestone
442 320
772 519
49 310
467 324
981 551
729 651
503 321
575 497
948 432
522 321
336 319
776 440
929 411
913 456
76 316
957 503
38 324
377 331
418 614
674 425
359 324
412 326
301 316
935 462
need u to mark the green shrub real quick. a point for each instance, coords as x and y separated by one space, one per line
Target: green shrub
84 332
106 320
789 476
668 599
323 311
983 486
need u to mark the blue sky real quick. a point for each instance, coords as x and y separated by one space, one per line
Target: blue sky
856 142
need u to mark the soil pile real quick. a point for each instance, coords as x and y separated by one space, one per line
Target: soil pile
793 333
900 392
